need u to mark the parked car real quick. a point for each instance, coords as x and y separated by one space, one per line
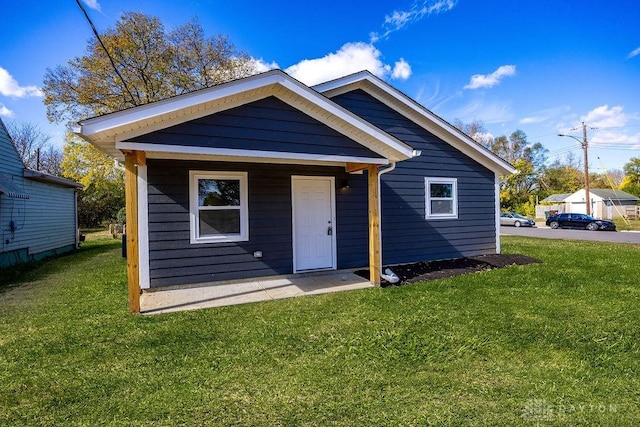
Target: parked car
573 220
517 220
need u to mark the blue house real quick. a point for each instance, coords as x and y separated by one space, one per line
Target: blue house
38 215
267 176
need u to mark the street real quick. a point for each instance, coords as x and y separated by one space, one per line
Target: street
545 232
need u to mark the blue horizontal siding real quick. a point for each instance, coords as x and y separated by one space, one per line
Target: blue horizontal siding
407 235
173 260
266 125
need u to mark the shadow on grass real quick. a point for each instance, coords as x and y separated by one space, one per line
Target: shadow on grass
13 276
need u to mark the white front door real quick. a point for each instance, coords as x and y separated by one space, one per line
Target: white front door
314 237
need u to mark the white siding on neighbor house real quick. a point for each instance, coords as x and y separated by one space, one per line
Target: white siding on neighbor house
44 222
51 216
10 163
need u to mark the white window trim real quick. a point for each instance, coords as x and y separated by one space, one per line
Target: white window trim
427 186
194 176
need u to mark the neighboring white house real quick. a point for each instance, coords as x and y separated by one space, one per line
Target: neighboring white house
38 214
605 203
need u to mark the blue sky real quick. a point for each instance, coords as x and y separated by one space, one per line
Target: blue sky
540 66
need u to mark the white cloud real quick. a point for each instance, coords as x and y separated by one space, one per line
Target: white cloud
399 19
603 137
483 137
532 119
486 111
92 4
10 87
351 58
262 66
633 53
489 80
5 112
544 115
401 70
605 117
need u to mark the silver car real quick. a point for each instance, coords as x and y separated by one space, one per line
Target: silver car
516 220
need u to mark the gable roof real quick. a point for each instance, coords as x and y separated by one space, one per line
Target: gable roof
556 198
602 193
110 132
12 166
607 193
406 106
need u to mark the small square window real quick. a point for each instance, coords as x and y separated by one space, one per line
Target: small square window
441 198
218 207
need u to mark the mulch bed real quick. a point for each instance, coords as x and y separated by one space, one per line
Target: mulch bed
430 270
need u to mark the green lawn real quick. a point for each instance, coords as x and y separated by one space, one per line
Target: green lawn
628 225
556 343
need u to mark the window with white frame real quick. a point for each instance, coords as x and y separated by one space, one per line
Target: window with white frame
218 207
441 201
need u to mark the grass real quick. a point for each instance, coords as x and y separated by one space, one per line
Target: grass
556 343
628 225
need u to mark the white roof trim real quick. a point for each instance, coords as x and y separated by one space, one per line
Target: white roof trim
163 151
411 109
105 131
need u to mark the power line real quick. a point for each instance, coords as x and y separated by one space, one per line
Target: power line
113 64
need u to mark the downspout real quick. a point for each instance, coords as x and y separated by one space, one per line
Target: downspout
496 195
388 275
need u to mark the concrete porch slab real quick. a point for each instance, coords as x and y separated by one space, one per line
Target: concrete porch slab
253 290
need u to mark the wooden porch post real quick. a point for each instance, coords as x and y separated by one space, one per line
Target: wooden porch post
131 161
374 226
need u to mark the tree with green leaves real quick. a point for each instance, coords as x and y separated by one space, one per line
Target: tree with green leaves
631 182
516 190
516 146
103 193
152 64
561 177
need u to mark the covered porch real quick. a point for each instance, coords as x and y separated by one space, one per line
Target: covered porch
249 291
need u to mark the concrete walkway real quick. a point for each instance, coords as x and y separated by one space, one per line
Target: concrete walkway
255 290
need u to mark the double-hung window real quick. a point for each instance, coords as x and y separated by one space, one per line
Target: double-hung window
218 207
441 198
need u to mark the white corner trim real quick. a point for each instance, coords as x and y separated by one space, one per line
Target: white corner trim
497 209
143 228
257 154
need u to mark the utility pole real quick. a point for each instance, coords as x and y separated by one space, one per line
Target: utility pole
585 146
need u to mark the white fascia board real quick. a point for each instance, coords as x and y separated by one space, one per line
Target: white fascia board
122 119
105 130
171 151
438 126
402 150
342 81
